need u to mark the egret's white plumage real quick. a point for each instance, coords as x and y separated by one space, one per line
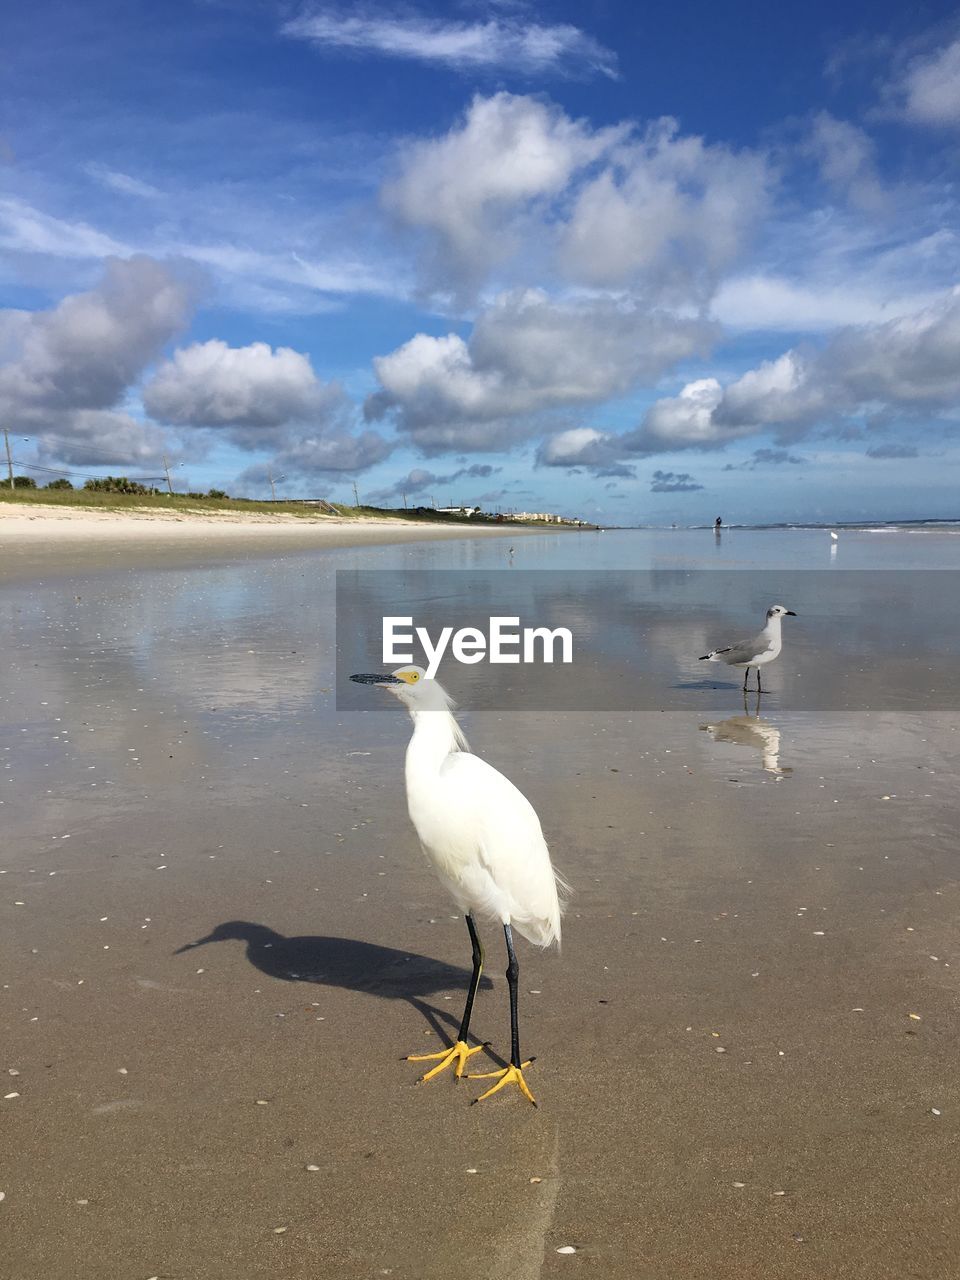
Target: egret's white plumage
481 834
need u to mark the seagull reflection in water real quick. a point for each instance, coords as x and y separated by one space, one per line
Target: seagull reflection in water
751 731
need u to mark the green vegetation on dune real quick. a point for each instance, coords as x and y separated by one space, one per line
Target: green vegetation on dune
110 501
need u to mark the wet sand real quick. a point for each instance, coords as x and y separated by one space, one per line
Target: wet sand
790 901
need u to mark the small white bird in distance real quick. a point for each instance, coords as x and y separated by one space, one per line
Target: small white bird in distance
757 651
484 840
834 535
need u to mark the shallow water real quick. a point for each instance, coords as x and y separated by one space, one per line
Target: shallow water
115 678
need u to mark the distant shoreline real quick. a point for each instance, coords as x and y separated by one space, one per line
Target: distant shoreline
40 540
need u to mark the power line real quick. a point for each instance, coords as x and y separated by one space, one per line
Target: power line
61 471
88 448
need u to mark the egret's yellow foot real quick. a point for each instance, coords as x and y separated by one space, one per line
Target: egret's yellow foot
509 1075
458 1053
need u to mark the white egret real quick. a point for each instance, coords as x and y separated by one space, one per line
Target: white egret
484 840
757 651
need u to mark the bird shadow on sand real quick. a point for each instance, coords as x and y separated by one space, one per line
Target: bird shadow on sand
351 965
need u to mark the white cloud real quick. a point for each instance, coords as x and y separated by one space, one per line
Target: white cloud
847 159
585 448
520 185
86 351
669 212
687 417
526 354
211 384
571 446
497 44
929 88
321 455
673 482
264 398
468 187
780 390
66 372
419 480
123 182
910 363
904 369
103 437
769 302
28 230
291 281
905 366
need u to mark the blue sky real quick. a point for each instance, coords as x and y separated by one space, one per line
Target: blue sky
636 264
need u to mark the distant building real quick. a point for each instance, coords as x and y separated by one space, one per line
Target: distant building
547 517
458 511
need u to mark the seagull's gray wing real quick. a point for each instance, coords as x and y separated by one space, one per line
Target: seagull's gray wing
743 650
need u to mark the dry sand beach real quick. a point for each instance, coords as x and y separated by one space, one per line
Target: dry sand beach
746 1052
38 539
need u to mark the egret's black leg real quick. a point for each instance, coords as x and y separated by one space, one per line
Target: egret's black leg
458 1053
513 980
514 1073
474 981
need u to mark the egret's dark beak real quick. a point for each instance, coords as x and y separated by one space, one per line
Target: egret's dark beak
791 614
376 679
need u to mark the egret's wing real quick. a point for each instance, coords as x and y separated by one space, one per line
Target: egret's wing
510 851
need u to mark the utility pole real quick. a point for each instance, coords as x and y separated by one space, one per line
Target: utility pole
356 496
6 441
274 481
166 468
404 502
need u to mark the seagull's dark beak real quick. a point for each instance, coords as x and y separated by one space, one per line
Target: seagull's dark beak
791 614
376 679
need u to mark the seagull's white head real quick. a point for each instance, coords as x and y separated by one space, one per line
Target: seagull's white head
779 611
412 686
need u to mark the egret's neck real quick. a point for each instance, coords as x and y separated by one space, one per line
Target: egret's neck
435 736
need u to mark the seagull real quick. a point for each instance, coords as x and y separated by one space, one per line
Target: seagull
834 535
485 842
759 650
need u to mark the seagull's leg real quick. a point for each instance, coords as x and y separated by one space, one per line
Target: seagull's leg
746 675
458 1052
759 690
514 1073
